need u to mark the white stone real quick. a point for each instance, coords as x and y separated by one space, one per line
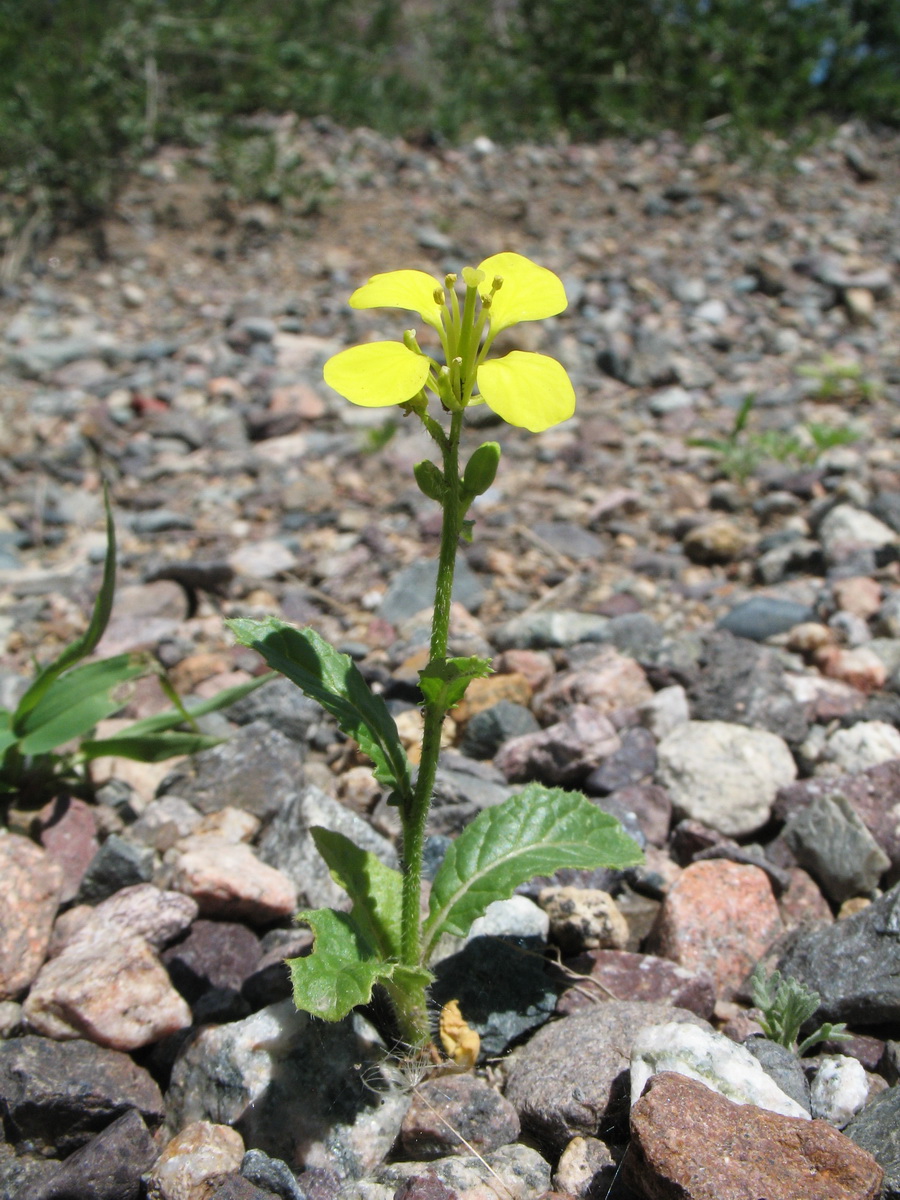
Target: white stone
516 917
723 774
863 745
665 711
710 1058
840 1089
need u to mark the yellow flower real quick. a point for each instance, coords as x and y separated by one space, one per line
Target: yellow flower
529 390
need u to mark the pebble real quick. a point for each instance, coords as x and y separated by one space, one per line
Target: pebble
829 839
583 919
193 1160
718 918
562 754
853 964
33 884
712 1059
839 1089
622 975
457 1114
566 1081
723 774
688 1141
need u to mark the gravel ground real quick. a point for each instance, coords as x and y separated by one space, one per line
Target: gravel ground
707 644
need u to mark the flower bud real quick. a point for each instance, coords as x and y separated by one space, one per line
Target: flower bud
481 469
430 480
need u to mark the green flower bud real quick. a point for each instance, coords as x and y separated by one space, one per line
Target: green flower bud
481 469
430 480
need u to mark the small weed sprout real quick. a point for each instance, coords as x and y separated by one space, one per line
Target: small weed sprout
839 379
785 1005
741 451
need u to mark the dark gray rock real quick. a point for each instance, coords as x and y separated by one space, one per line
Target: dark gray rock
742 682
160 520
829 839
412 589
633 762
462 788
502 989
282 705
288 845
117 864
635 634
571 540
58 1095
109 1167
782 1065
453 1114
488 730
762 617
877 1129
854 964
258 769
272 1174
218 955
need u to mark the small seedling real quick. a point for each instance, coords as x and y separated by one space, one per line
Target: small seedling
839 379
68 697
742 451
383 939
785 1005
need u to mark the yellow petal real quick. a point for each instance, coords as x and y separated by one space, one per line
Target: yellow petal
529 292
528 390
377 374
402 289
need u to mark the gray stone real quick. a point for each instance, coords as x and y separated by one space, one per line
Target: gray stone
877 1129
288 846
829 839
562 754
117 864
258 769
762 617
853 964
486 732
454 1115
635 634
412 589
58 1095
295 1088
515 1170
573 541
846 530
743 682
462 788
571 1078
724 775
863 745
783 1066
271 1174
549 630
282 705
109 1167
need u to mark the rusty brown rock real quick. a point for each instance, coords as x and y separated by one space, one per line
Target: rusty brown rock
719 918
689 1143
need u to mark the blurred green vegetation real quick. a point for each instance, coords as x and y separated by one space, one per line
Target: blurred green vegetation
86 86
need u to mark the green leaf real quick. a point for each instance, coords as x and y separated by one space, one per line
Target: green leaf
533 833
77 701
334 681
148 747
443 682
87 642
375 889
342 969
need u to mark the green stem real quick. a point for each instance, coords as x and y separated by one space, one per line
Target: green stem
417 815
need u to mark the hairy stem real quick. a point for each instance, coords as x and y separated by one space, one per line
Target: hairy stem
434 713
